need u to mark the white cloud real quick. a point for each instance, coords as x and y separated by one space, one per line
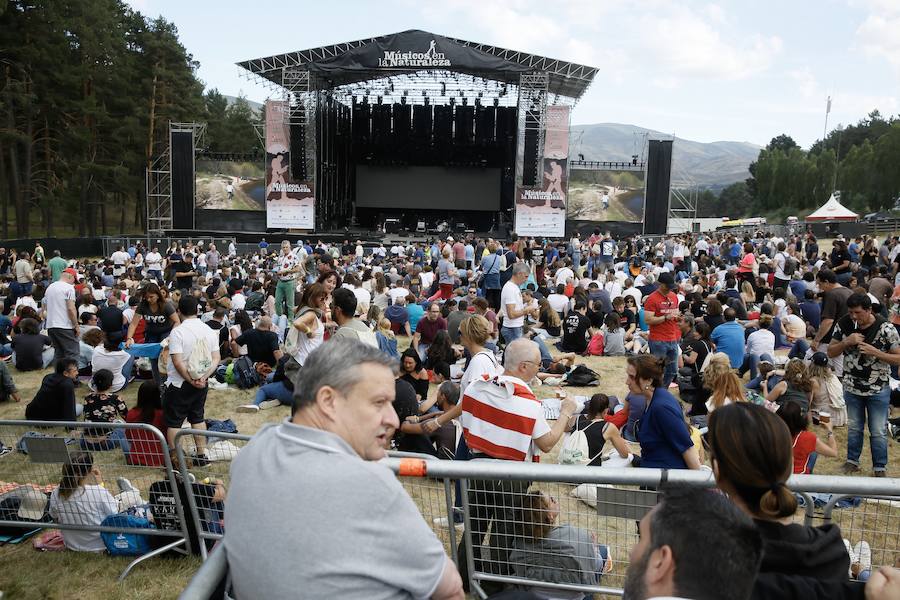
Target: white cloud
686 44
806 82
879 35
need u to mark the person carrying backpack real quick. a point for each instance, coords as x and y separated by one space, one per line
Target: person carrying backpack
586 443
785 267
194 355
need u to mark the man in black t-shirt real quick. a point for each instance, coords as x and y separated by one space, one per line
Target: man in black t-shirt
184 272
261 342
575 328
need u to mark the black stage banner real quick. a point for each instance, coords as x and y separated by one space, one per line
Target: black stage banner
414 50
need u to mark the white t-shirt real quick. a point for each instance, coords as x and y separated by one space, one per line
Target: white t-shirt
119 258
511 294
558 302
181 341
114 361
761 341
26 301
779 261
55 299
427 278
794 325
363 298
563 275
635 293
88 505
154 261
483 363
238 301
397 293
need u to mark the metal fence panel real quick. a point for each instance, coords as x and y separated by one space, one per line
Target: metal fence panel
124 466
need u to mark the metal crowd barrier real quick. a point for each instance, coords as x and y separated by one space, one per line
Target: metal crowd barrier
512 511
32 456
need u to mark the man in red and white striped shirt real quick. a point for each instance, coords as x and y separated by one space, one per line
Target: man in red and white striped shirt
502 419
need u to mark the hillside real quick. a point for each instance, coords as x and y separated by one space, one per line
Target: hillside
712 165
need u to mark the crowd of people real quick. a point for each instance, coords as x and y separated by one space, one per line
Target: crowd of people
438 348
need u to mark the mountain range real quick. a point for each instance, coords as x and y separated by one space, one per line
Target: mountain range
708 165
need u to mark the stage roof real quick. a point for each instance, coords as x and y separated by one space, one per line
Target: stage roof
415 50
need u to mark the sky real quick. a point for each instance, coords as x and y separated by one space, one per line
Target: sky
704 71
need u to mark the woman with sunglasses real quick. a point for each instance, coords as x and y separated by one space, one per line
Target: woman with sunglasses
661 431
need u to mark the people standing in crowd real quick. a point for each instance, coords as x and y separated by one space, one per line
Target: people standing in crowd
62 318
662 315
513 310
194 356
870 346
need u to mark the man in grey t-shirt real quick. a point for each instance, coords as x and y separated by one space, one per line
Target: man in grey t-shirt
310 515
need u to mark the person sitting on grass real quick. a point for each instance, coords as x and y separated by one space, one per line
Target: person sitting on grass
599 430
81 499
104 406
119 362
613 336
8 389
55 400
796 386
31 350
806 445
556 553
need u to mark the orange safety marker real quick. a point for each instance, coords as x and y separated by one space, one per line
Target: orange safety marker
412 467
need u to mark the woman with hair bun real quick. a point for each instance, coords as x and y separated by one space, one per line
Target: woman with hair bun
661 431
752 458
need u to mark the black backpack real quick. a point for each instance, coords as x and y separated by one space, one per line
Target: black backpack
244 373
790 265
582 376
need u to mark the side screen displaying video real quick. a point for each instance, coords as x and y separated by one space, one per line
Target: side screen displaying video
230 185
606 195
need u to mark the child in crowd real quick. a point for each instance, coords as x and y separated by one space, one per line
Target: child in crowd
613 336
102 406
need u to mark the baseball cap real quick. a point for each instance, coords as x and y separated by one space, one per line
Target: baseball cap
820 359
71 272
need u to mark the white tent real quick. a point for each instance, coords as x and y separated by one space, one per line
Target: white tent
833 211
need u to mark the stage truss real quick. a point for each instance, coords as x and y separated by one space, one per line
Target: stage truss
159 179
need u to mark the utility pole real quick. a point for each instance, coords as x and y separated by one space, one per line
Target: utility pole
827 110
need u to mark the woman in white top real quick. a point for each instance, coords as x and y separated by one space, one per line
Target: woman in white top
722 382
108 356
474 333
309 322
81 499
759 343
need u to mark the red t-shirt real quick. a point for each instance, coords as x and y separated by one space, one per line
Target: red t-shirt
660 305
804 445
427 329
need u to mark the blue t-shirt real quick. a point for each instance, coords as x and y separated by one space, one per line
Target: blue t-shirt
798 288
663 434
811 311
415 312
729 338
735 250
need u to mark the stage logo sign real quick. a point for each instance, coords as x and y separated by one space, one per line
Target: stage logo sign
393 59
541 210
289 204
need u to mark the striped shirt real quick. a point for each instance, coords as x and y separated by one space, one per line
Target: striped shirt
501 417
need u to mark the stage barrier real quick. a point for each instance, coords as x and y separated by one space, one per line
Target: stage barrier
140 481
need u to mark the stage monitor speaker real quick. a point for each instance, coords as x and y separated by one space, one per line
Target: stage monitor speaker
659 176
182 177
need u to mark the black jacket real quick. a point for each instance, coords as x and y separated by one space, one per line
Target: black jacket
804 562
55 401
